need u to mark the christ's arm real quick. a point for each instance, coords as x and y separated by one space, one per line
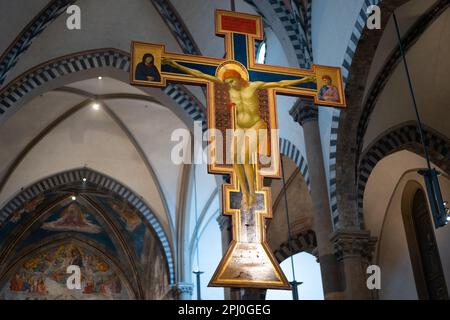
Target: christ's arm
192 72
285 83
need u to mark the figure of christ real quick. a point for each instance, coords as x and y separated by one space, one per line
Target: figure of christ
244 99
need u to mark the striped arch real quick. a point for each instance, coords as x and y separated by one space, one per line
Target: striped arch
295 31
348 58
289 150
305 241
82 61
176 26
308 26
74 176
405 137
11 55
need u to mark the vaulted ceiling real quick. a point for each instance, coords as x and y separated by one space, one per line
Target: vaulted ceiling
67 105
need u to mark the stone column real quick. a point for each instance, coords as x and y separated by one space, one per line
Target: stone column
235 293
305 112
354 250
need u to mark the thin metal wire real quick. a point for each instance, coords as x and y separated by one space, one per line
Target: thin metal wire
287 217
411 90
196 221
197 272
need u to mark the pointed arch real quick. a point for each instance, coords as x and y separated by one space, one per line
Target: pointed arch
108 183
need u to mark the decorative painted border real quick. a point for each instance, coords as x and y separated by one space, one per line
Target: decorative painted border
405 137
71 176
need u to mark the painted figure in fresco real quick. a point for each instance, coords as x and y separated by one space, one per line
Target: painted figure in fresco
89 287
244 99
72 219
41 287
16 283
77 259
329 92
44 276
127 215
146 70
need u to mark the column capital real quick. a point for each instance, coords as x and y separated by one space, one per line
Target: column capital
304 110
182 288
357 243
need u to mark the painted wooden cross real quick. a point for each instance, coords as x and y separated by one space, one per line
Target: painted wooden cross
241 96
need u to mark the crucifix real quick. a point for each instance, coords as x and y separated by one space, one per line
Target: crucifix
241 98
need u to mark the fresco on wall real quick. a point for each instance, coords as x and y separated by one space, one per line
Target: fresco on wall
126 214
72 219
129 219
18 216
43 277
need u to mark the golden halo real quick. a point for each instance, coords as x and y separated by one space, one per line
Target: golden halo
234 65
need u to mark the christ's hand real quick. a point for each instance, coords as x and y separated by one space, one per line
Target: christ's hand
169 62
310 79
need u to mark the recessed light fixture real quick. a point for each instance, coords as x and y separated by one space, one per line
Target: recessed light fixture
100 78
74 198
96 106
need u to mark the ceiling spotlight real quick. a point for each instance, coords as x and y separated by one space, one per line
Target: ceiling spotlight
73 198
100 78
96 106
84 179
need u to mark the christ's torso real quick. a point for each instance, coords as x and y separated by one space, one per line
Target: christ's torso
246 102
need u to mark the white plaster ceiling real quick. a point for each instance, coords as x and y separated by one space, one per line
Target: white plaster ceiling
29 121
106 85
407 15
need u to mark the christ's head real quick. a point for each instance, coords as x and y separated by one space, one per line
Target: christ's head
233 79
